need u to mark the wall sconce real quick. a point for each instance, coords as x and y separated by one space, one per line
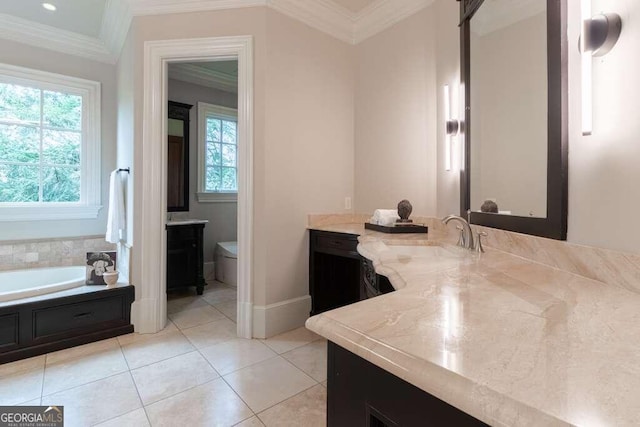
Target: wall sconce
599 34
452 126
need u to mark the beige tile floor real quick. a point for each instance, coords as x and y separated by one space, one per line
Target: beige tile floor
195 372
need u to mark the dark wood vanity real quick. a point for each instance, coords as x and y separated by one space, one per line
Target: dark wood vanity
338 274
360 393
334 270
185 259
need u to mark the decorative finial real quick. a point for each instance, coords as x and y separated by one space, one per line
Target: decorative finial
404 211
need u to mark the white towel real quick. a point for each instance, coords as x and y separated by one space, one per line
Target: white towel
385 217
116 219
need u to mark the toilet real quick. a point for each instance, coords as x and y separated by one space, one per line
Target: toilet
227 263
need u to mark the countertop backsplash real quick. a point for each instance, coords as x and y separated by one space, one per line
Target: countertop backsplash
39 253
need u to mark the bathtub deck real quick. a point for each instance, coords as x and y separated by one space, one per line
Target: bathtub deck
45 323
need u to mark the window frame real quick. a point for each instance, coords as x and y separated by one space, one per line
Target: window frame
204 110
90 149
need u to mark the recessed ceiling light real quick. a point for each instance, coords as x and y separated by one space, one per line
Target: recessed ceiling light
49 6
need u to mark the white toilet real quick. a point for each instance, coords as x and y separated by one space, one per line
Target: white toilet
227 263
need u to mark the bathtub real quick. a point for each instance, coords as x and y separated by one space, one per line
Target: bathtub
18 284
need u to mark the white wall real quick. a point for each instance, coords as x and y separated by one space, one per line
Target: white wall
46 60
448 72
223 217
603 168
126 136
395 117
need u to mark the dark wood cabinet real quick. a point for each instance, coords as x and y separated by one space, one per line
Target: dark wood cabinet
334 270
185 259
54 323
360 393
338 274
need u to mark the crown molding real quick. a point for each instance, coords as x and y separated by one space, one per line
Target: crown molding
383 14
116 22
193 73
160 7
323 15
45 36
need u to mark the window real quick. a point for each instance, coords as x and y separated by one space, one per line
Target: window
49 146
218 153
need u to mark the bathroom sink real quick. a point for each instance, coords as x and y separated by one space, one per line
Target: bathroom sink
422 251
186 222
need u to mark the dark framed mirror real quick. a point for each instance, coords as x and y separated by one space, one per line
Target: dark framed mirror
178 157
514 77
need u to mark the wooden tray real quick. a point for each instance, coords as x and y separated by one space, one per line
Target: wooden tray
397 229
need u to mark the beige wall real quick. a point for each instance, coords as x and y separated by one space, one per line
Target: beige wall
303 126
46 60
395 117
308 148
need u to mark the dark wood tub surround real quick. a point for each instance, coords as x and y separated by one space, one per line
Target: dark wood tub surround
49 323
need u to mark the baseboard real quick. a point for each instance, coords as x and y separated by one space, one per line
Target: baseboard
151 322
209 271
273 319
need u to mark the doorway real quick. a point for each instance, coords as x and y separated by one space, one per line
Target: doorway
202 192
152 307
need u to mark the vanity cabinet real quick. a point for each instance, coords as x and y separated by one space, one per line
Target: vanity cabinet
185 259
373 284
360 393
338 274
334 270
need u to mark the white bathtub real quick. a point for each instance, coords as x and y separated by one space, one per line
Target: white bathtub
18 284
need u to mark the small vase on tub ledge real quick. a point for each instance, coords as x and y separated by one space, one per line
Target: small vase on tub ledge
111 278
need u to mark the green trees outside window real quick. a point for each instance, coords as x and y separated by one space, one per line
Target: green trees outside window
221 155
40 145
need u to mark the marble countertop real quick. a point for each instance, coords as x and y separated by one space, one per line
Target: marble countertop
509 341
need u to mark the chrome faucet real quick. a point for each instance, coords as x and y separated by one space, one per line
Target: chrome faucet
467 235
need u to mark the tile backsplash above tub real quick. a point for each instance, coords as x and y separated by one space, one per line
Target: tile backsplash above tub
38 253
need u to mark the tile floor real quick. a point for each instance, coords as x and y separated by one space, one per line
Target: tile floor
195 372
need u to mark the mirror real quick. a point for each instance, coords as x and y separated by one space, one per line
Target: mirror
515 83
178 157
